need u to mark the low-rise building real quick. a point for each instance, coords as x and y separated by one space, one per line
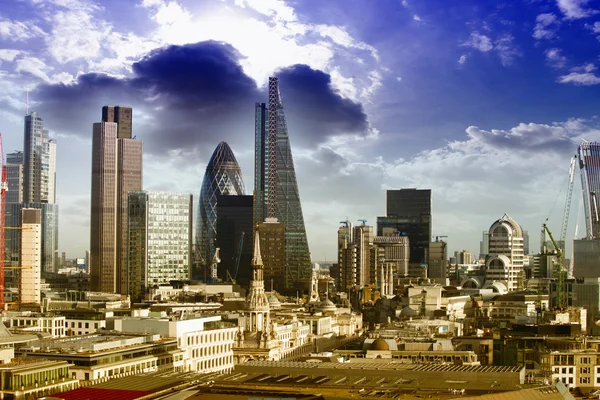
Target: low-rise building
27 321
575 368
25 378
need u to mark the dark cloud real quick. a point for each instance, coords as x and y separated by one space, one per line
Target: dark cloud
189 98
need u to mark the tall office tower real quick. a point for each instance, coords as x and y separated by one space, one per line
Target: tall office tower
31 252
438 261
463 257
159 240
38 162
272 243
526 243
14 177
484 245
347 260
277 186
116 171
261 126
223 176
409 213
505 259
234 238
393 248
362 237
122 116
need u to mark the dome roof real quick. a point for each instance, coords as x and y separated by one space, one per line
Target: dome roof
380 345
273 301
327 305
510 226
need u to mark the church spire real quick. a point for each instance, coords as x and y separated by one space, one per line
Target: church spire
256 257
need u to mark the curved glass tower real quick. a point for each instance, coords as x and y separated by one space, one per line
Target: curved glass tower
223 176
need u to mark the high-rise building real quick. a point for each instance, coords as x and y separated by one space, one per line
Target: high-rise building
159 240
362 238
39 162
589 165
276 188
234 237
14 177
272 244
347 260
484 245
122 116
116 171
438 260
409 213
223 176
395 249
504 262
463 257
31 252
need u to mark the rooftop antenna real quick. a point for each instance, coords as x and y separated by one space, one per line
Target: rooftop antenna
27 102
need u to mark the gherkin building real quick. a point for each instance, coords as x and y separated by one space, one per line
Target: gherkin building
223 176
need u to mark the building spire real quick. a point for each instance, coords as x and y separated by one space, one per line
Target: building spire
256 258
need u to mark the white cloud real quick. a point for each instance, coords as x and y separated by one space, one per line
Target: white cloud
506 50
9 54
63 77
479 42
596 27
375 78
399 79
555 58
33 66
344 86
416 18
589 67
580 78
340 36
404 3
17 31
463 59
546 26
575 9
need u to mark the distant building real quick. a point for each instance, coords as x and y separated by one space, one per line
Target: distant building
484 245
392 249
272 247
463 257
438 261
14 177
505 259
363 241
234 237
31 255
409 213
116 171
586 258
39 162
223 176
160 237
347 261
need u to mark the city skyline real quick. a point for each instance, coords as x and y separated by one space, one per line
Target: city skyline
483 105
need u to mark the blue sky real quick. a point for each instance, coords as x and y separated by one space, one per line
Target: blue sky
481 101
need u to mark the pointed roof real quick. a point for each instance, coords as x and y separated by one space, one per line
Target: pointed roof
256 258
223 155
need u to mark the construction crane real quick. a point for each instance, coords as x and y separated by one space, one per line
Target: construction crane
565 221
437 238
364 221
213 266
346 223
3 190
560 277
238 256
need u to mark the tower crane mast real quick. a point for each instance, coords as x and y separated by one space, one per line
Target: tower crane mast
560 277
565 221
3 190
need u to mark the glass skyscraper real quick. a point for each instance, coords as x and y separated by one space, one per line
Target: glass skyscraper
159 240
223 176
274 168
589 164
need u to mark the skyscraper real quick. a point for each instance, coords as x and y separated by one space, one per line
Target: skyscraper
39 162
272 243
223 176
234 237
159 239
116 171
409 213
31 235
122 116
589 165
14 172
276 187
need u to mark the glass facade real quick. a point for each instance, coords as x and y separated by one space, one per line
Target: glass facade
39 167
223 176
589 165
160 233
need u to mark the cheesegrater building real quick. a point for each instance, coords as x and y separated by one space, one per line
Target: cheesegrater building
276 193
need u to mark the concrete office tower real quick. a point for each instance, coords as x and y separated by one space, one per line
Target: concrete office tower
116 171
122 116
394 249
409 213
484 245
505 260
347 260
463 257
363 240
223 176
275 169
14 177
438 261
39 162
272 244
159 240
31 256
234 238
